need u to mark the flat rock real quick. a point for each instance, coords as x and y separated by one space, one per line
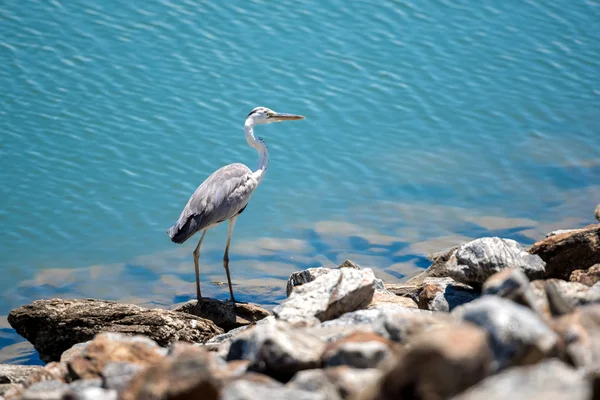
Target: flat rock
588 277
277 350
16 373
327 297
518 335
55 325
184 375
547 380
444 294
382 298
474 262
223 313
436 365
358 350
567 252
245 390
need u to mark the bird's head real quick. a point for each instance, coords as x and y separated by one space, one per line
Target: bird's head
263 115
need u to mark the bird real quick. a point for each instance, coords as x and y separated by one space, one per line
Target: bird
225 194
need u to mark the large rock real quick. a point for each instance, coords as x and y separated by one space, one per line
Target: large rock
588 276
327 297
186 375
518 336
513 284
358 350
474 262
436 365
444 294
55 325
16 373
567 252
548 380
299 278
223 313
277 350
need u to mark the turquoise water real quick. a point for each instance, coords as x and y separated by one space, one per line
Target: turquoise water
428 123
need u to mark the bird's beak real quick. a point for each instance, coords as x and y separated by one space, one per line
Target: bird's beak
285 117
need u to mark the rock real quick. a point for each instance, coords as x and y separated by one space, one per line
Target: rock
474 262
358 350
111 347
277 350
76 350
436 270
55 325
444 294
185 375
117 375
328 297
586 276
597 212
548 380
221 343
381 297
512 284
316 381
46 390
401 327
518 336
564 253
559 232
351 381
436 365
93 393
299 278
16 373
580 333
404 290
222 312
572 293
244 390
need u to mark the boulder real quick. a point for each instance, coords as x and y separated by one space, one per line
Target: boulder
327 297
567 252
358 350
513 284
444 294
436 365
55 325
277 350
299 278
316 381
548 380
223 313
518 336
588 276
474 262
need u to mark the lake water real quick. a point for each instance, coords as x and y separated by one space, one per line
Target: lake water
427 123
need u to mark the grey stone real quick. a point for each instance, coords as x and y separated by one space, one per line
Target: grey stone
117 375
316 381
436 269
574 293
55 325
350 382
444 294
518 335
357 354
277 350
328 297
221 343
46 390
513 284
400 327
16 373
245 390
547 380
474 262
299 278
94 393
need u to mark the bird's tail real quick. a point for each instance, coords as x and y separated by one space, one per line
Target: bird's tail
179 233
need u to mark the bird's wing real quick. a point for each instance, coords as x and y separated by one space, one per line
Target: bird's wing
224 194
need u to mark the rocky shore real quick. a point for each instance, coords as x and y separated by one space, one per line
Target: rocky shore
488 319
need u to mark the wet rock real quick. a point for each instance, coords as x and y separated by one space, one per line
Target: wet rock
316 381
277 350
513 284
382 298
223 314
436 270
580 333
548 380
444 294
518 336
567 252
358 350
55 325
182 376
586 276
474 262
244 390
436 365
16 373
327 297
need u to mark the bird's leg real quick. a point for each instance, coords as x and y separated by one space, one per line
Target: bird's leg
196 257
226 257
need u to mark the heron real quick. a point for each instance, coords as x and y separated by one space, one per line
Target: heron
224 195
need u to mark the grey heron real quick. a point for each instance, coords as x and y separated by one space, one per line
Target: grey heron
226 193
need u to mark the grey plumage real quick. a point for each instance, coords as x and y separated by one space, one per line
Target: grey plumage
223 195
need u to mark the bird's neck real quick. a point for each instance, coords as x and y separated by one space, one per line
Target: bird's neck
260 146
